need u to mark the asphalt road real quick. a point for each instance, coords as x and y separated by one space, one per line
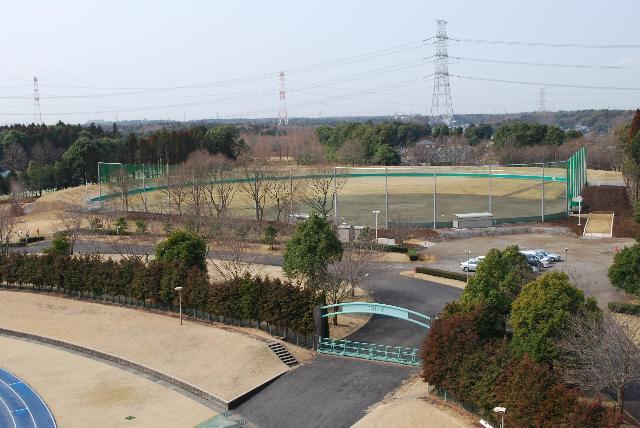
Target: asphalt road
336 391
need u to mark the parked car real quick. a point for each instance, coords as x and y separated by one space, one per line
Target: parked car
533 261
472 264
554 257
544 261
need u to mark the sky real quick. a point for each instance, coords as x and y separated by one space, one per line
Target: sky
189 59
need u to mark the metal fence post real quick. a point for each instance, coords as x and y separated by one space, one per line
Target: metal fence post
335 194
490 190
543 192
435 191
386 198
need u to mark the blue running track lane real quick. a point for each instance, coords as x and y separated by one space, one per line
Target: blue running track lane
21 406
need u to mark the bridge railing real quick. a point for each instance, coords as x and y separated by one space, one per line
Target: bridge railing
370 351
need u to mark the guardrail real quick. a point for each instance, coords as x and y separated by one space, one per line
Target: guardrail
369 351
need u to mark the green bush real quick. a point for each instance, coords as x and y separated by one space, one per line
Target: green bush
183 247
121 224
31 239
395 249
624 273
141 226
624 308
442 273
60 246
413 254
636 213
259 299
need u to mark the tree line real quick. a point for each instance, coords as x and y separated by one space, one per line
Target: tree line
532 345
153 283
64 155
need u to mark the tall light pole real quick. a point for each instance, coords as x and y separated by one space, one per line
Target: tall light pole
376 212
179 290
502 411
566 254
468 253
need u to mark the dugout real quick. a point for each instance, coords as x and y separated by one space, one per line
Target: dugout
468 220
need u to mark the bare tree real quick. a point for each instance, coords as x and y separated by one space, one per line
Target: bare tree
229 251
16 194
256 184
196 171
71 219
283 193
344 275
600 354
7 223
221 188
175 190
321 190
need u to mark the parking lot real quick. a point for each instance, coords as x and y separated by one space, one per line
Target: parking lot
587 263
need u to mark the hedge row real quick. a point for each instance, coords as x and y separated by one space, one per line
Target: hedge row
624 308
442 273
253 298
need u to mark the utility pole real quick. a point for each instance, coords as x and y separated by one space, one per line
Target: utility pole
441 105
283 118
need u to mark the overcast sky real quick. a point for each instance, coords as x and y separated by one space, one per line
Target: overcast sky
191 59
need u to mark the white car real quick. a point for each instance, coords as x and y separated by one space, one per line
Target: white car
472 264
554 257
544 260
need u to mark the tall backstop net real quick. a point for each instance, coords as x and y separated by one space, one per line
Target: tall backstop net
426 196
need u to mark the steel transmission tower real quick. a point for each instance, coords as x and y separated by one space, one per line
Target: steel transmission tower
541 100
37 113
283 118
441 106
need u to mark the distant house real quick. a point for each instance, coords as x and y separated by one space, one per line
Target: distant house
425 143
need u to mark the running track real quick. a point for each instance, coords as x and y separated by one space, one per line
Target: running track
21 406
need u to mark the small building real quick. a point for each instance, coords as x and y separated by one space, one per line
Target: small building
469 220
346 234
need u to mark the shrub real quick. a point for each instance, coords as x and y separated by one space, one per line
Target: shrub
636 212
121 225
60 246
539 313
30 239
95 223
624 273
141 226
442 273
269 235
183 247
624 308
413 254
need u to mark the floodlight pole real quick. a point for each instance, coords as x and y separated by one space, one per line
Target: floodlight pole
179 290
376 212
468 253
435 190
386 198
100 186
490 189
335 194
543 192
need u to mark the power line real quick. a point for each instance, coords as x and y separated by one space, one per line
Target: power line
557 85
541 64
547 45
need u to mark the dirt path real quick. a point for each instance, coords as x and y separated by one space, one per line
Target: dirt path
224 363
82 392
410 406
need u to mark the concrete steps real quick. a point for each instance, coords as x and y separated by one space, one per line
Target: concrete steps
282 353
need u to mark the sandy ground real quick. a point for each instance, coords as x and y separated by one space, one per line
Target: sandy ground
410 406
82 392
599 223
436 279
220 361
587 264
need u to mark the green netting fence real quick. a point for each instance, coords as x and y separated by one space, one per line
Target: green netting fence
415 196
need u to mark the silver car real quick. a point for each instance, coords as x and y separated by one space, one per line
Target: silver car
554 257
472 264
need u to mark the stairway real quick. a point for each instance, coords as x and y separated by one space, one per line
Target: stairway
282 353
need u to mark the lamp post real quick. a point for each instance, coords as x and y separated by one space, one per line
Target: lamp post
566 253
179 290
468 254
502 411
376 212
